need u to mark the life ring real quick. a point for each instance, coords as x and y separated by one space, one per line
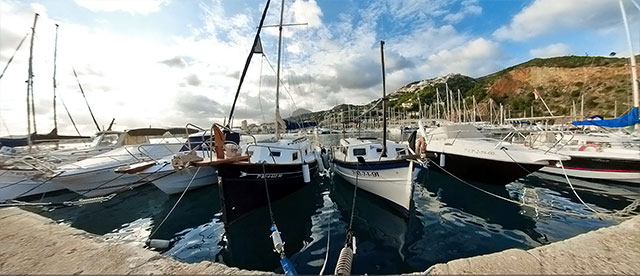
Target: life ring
421 146
585 146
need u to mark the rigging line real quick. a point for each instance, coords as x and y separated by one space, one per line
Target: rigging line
175 205
283 84
14 54
353 200
256 42
5 125
85 99
264 120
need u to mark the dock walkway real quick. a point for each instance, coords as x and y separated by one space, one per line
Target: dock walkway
32 244
610 250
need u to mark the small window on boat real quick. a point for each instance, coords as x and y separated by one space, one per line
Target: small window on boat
359 152
294 156
275 153
378 149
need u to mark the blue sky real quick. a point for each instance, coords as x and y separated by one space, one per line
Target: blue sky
168 62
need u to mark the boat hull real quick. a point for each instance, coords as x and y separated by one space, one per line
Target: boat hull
483 170
391 180
627 171
242 185
21 183
98 182
174 182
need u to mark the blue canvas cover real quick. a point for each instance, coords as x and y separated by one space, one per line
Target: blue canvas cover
631 118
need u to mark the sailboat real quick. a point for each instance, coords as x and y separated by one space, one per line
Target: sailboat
281 165
600 158
379 167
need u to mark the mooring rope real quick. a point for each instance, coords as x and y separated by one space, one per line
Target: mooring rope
525 204
176 204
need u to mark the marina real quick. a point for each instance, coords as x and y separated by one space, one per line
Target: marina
489 171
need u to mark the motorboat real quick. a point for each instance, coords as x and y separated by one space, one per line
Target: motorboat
462 150
96 176
173 174
360 162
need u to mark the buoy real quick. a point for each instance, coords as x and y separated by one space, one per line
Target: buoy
343 267
442 158
306 175
158 243
278 244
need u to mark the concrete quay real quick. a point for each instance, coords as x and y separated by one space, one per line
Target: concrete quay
610 250
32 244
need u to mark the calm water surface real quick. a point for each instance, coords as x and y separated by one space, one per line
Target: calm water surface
449 220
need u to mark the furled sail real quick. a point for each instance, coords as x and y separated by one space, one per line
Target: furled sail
631 118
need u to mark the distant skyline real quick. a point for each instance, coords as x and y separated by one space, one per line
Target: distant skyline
169 62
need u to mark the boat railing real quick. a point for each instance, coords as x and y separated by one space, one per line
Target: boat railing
34 163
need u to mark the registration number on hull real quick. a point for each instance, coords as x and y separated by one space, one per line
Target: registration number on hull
366 173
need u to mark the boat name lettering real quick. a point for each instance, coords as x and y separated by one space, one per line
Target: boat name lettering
262 176
479 151
366 173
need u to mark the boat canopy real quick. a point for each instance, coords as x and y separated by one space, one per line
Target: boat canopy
631 118
296 125
153 131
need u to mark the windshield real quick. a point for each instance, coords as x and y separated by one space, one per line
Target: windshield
105 140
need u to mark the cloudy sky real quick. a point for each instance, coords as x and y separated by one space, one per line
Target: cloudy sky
169 62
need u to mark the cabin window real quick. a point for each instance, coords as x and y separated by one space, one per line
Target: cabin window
378 150
275 153
359 152
294 156
109 140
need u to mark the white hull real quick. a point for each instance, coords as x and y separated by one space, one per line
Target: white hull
393 184
15 184
628 177
99 182
171 182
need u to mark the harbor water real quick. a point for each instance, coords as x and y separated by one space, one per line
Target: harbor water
449 219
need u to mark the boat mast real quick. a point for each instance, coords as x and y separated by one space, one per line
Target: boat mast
384 104
634 74
55 55
278 119
30 86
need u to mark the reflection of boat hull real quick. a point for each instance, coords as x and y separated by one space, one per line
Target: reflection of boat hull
19 183
391 180
98 182
483 170
242 186
620 170
171 181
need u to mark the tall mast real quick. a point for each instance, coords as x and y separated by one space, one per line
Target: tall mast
30 86
634 74
55 55
384 103
278 72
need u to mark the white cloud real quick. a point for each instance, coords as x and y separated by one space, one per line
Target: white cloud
307 12
544 16
468 7
553 50
142 7
475 58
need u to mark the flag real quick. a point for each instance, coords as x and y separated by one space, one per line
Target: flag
257 47
535 94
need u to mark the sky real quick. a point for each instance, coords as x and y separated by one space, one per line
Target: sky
171 62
